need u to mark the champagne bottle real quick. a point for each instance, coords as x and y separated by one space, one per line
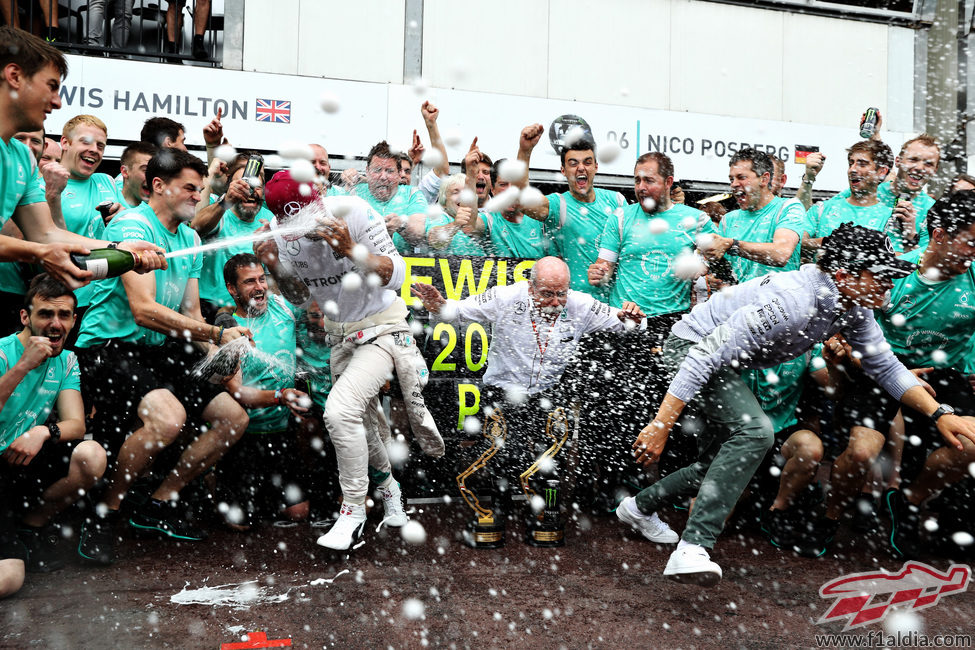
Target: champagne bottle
104 262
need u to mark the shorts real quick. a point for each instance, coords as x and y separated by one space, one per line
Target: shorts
865 403
21 487
263 474
118 375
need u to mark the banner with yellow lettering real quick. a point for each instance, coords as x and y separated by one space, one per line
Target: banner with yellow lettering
456 354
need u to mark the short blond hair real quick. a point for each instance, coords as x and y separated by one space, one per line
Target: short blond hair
78 120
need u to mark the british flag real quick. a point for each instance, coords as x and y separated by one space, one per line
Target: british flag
274 110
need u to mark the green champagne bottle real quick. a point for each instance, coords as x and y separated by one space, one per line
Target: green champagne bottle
104 262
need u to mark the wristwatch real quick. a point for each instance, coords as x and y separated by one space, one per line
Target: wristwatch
55 432
943 409
113 244
734 249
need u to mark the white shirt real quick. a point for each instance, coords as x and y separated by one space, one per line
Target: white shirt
529 352
322 271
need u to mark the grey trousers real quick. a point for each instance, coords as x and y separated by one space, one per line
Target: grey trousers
121 25
730 447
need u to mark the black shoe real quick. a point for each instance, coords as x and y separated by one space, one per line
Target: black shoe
815 541
905 523
96 543
199 49
780 526
170 48
865 519
165 519
42 548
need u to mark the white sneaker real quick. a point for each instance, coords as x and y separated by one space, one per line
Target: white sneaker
395 514
347 528
691 564
650 526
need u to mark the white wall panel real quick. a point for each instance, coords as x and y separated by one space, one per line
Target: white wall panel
351 40
266 49
833 70
500 47
613 52
726 60
899 115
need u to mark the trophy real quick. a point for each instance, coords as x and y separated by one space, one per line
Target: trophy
548 529
488 531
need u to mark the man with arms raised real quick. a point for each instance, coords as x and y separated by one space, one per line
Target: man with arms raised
574 220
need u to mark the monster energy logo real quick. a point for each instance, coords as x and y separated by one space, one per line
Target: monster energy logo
551 497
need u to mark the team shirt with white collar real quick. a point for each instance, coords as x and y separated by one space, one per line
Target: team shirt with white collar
529 352
322 270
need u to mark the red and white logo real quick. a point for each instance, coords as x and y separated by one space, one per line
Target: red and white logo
864 598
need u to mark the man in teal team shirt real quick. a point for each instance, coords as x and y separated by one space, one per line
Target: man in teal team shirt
643 244
243 211
262 472
135 159
83 142
573 220
509 233
45 463
30 79
403 206
916 164
135 355
927 322
868 163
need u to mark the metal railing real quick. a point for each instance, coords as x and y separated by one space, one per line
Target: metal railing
147 30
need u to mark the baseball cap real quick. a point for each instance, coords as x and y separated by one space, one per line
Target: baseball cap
858 249
285 196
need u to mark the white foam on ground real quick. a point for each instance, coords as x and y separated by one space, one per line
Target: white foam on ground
327 581
239 596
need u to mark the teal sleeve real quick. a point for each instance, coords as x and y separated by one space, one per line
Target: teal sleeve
35 189
552 220
442 220
610 238
73 379
793 219
417 203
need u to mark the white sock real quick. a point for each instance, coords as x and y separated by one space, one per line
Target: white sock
635 510
389 481
681 544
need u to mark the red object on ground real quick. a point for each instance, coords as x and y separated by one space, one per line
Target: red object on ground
256 640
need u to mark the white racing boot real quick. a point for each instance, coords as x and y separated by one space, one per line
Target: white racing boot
395 514
347 528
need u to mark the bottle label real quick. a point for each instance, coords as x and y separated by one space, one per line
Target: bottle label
99 267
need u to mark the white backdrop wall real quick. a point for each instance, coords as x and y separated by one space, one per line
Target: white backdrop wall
676 55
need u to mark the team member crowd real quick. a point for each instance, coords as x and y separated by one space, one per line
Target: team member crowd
227 370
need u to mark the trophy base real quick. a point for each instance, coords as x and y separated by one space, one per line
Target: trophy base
545 535
487 535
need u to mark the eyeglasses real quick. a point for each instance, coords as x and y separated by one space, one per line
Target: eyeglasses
548 295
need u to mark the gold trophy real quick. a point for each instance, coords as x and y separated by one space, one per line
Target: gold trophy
488 531
548 529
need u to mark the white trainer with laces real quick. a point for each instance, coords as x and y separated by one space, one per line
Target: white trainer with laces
691 564
395 514
650 526
347 528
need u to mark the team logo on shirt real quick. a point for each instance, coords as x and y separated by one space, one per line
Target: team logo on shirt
293 246
521 307
656 264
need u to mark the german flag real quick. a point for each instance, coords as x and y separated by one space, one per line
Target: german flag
803 150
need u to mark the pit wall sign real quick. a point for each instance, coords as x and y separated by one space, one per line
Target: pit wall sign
456 353
266 111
